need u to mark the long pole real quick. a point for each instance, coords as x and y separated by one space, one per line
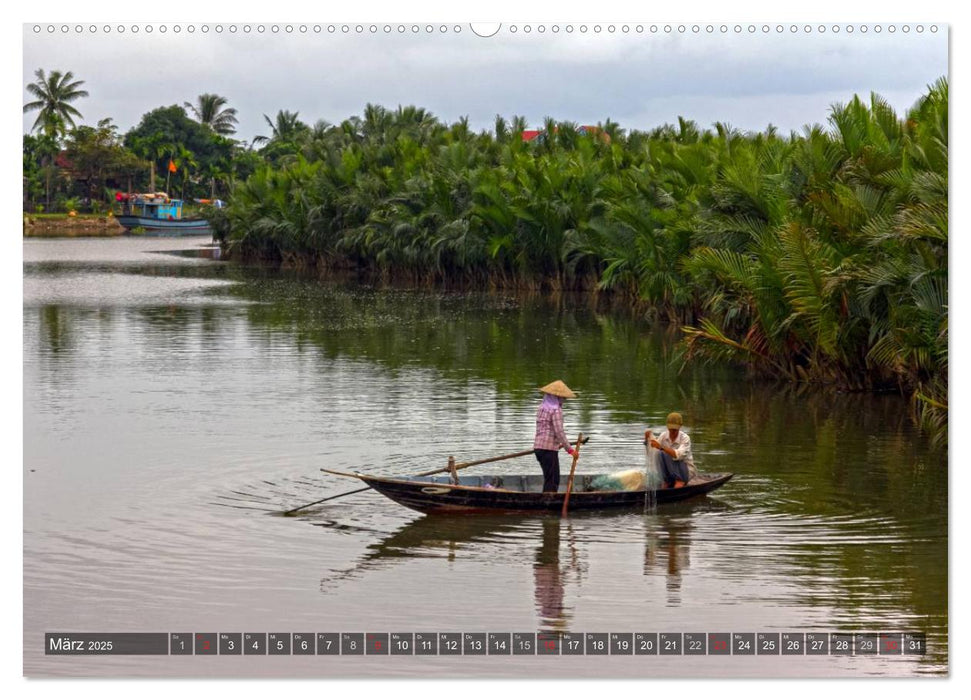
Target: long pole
463 465
573 469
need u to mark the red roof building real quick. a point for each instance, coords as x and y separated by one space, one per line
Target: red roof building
533 134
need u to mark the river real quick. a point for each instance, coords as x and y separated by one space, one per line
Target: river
175 404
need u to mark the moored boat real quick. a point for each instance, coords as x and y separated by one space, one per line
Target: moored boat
518 493
154 213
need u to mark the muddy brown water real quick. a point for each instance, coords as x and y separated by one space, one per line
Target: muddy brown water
174 404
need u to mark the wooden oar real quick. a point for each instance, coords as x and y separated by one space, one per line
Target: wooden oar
452 467
573 469
329 498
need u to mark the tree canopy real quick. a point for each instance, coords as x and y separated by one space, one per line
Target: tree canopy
54 93
210 110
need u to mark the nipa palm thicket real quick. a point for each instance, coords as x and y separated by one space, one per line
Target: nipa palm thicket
819 256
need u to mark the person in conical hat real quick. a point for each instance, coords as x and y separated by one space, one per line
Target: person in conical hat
677 463
550 435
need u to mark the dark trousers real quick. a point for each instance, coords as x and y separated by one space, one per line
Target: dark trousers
673 469
549 460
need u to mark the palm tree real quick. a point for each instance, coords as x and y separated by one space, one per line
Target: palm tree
171 151
186 160
47 149
214 171
286 128
818 257
501 129
151 148
209 110
54 94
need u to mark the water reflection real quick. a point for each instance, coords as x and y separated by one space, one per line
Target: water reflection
56 330
549 575
667 550
231 386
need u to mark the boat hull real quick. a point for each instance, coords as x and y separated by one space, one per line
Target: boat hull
440 496
164 227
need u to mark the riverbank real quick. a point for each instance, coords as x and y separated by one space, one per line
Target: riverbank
817 258
62 225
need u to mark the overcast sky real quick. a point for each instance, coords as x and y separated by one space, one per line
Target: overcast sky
638 80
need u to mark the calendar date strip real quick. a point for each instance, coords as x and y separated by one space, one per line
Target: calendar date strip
484 644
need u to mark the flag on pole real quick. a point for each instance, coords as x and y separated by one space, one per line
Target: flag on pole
172 167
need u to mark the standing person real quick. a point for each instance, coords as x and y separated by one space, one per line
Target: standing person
550 436
677 464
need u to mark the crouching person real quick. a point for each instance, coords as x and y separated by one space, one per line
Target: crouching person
674 445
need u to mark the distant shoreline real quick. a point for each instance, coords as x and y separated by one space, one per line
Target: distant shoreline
94 226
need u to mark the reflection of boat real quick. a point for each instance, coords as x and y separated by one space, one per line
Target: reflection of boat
433 537
498 539
156 213
511 493
444 534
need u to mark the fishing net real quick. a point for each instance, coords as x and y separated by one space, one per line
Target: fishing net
649 478
628 480
653 477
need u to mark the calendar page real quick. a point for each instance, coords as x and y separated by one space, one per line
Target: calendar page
525 350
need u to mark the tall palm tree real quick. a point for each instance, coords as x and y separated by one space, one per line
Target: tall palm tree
284 129
151 148
214 171
172 150
211 111
54 93
47 149
186 160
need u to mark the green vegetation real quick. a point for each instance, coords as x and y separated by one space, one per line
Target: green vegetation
66 217
211 111
63 161
818 257
54 93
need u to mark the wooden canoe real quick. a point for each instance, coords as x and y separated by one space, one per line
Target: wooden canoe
518 493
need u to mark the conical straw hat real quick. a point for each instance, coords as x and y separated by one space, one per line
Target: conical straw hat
558 388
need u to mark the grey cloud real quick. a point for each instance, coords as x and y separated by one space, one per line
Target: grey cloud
638 80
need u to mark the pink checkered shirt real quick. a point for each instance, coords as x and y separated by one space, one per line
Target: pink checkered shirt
549 429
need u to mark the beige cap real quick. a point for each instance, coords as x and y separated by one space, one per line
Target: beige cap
558 388
674 421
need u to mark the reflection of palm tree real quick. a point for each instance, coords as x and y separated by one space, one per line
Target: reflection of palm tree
56 328
54 94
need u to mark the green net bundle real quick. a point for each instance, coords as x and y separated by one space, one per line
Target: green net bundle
629 480
648 478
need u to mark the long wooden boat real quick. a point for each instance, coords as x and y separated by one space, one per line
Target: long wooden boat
518 493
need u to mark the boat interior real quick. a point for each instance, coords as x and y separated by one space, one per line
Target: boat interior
527 483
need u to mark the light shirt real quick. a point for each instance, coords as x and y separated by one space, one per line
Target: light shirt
682 448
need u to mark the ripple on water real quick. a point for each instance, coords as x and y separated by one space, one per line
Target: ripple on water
169 417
